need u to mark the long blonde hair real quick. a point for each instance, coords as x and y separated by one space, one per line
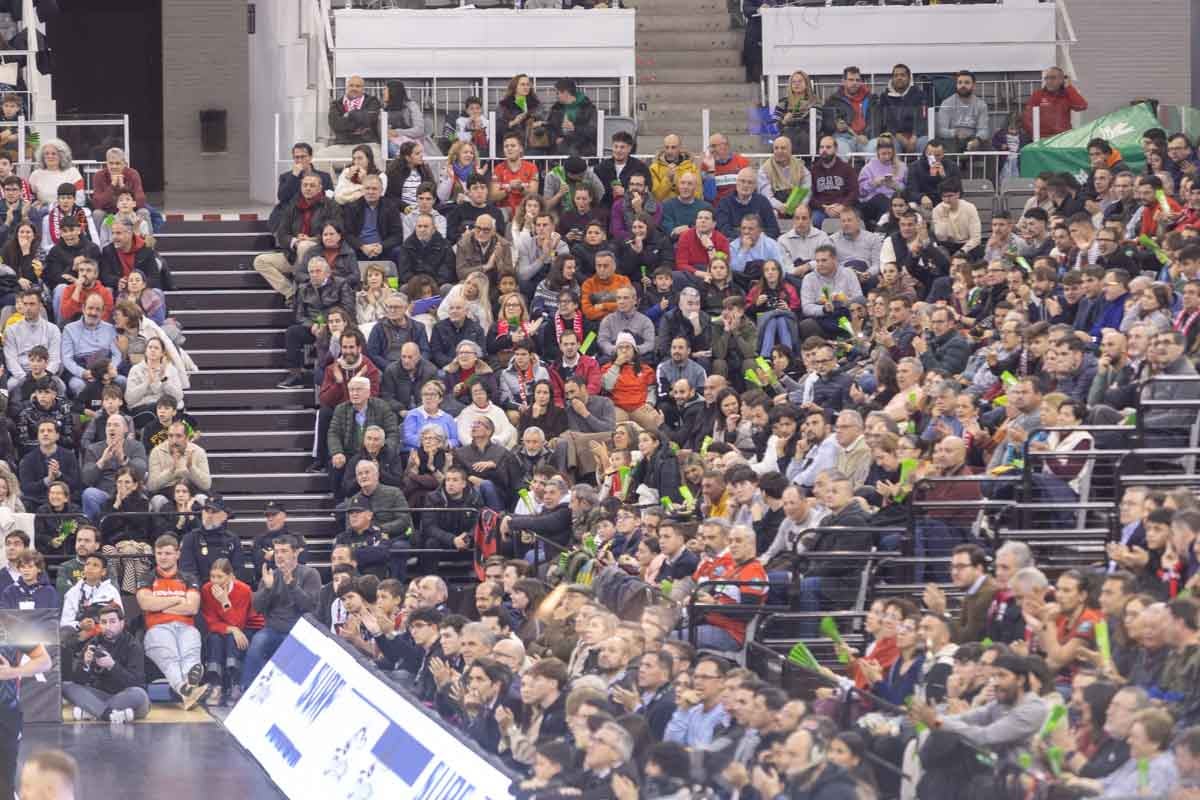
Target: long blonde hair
801 102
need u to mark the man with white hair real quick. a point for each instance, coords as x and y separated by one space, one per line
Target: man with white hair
349 424
116 174
311 305
853 453
481 247
102 460
744 201
607 754
452 333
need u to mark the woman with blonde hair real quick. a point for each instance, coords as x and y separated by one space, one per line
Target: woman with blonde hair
476 291
461 163
371 300
512 326
792 113
134 329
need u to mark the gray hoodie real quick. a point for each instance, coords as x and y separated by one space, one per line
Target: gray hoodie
969 116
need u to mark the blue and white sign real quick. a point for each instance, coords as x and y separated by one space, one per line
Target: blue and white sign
323 726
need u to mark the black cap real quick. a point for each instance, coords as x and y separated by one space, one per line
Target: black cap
358 503
215 502
66 190
274 507
575 166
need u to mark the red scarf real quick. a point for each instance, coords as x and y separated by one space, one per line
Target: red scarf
127 259
56 218
576 325
503 328
349 105
523 380
307 208
1184 321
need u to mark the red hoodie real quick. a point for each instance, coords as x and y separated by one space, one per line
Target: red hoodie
1056 110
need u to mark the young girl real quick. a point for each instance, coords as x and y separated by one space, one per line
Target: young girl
232 622
775 302
33 589
349 183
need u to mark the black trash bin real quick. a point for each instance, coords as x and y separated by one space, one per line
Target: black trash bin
214 133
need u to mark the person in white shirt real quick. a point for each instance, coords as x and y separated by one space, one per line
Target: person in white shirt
799 245
93 589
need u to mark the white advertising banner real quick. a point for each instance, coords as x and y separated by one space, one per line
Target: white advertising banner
324 726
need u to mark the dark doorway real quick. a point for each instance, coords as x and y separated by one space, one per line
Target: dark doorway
108 60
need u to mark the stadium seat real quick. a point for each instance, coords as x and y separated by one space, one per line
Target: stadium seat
1014 192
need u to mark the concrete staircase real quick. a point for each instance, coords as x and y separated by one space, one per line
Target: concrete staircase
258 437
689 59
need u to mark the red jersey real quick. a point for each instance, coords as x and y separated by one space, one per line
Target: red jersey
525 172
176 584
722 567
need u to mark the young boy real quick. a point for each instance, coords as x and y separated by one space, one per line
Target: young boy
473 126
111 403
65 208
47 406
32 590
10 110
127 210
39 369
362 622
165 412
657 294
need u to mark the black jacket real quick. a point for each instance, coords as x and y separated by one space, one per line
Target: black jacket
462 219
582 140
291 218
264 542
673 324
402 390
60 261
922 184
657 251
32 472
684 566
370 548
312 301
390 222
903 113
345 125
842 575
434 258
554 524
439 528
200 548
443 345
391 464
145 260
606 171
129 669
660 471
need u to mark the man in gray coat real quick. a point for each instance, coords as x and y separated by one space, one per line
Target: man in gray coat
590 418
102 460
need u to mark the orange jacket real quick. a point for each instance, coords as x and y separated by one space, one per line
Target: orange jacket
594 286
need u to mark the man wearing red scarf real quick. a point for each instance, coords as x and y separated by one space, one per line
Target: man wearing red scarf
354 118
299 230
126 252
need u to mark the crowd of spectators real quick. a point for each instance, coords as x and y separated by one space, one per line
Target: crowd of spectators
620 385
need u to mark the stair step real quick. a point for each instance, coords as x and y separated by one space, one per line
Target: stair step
673 57
266 441
241 338
263 461
250 398
192 260
650 41
663 9
214 299
249 528
670 109
219 279
223 226
736 97
193 320
654 76
279 482
172 243
697 20
284 419
273 358
237 379
251 504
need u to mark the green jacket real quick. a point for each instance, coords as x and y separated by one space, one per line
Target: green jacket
345 435
744 341
390 508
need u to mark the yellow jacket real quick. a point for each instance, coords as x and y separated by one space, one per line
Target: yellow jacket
662 185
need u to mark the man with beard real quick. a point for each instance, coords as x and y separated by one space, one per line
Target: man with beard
963 117
835 183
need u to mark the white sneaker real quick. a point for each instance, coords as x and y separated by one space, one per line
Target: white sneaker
80 715
120 716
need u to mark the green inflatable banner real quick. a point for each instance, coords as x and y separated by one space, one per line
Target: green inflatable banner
1067 152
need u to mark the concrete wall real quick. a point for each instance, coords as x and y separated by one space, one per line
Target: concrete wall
1133 50
205 66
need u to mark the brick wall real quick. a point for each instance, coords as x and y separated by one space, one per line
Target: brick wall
205 66
1128 50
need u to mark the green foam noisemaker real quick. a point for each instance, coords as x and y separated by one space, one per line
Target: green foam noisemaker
825 292
644 271
1025 760
1008 378
704 445
765 367
587 342
830 630
907 467
1055 718
1145 241
686 494
1023 264
393 282
986 642
666 503
795 198
524 495
845 325
665 587
752 377
1102 641
801 656
1163 205
1054 756
624 472
1144 772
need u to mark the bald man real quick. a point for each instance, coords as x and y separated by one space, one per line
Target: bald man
745 200
943 529
782 173
354 117
669 165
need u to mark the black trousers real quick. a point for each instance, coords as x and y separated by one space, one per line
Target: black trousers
10 749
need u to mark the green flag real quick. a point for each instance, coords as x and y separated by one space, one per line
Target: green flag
1067 152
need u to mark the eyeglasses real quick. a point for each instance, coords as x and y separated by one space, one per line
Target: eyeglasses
699 677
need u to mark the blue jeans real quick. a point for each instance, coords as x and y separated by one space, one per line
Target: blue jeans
224 658
490 495
710 637
93 499
775 330
810 600
935 539
262 647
